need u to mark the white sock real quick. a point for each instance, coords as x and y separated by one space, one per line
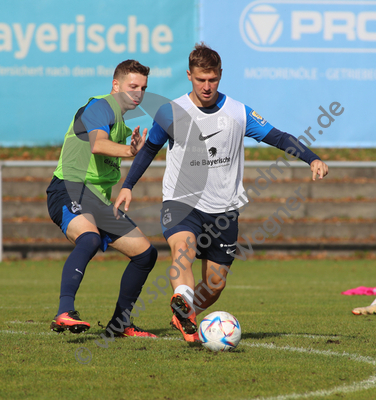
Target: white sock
373 303
186 292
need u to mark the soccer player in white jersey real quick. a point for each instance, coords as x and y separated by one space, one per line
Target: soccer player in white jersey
202 184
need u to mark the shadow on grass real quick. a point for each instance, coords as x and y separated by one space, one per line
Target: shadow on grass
262 335
96 334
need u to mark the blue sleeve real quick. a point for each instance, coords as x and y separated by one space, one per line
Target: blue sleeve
257 126
142 160
283 141
98 115
162 125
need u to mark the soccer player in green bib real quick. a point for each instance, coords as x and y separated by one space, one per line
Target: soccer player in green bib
78 199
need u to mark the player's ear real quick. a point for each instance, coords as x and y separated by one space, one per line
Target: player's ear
189 75
115 86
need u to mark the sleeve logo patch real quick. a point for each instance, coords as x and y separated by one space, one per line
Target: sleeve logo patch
258 118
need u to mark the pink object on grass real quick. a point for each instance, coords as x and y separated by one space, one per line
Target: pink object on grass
361 290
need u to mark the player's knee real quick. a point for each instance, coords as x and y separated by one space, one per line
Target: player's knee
216 284
181 249
147 259
90 241
153 254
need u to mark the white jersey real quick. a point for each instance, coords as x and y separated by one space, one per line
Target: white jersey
205 164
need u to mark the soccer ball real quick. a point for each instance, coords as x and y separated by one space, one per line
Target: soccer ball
220 331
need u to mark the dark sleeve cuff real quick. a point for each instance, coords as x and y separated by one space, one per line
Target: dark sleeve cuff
141 162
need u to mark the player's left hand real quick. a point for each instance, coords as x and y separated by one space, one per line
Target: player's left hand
319 168
137 141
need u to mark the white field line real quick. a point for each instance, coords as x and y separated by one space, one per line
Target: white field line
306 335
25 322
26 333
368 383
353 357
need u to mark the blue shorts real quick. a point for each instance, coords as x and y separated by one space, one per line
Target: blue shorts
216 234
66 200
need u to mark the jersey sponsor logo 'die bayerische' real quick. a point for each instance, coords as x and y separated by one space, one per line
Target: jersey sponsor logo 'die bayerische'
218 162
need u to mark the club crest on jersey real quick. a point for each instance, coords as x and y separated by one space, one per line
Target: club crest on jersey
258 118
222 122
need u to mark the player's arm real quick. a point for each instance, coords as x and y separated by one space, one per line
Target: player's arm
259 129
94 121
101 144
284 141
141 162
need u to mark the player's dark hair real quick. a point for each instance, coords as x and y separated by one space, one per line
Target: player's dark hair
204 57
130 66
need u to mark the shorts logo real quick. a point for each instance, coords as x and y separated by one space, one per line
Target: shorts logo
75 207
167 218
258 118
228 250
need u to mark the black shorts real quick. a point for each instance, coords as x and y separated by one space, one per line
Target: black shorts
66 200
216 234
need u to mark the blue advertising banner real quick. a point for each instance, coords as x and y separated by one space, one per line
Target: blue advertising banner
295 61
54 56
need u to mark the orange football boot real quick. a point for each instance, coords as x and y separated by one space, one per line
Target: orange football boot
69 321
129 331
184 318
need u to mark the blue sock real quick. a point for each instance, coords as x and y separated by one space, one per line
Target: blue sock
132 281
87 246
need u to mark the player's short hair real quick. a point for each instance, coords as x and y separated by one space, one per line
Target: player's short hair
130 66
204 57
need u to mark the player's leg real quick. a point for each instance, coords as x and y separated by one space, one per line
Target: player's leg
213 282
183 283
80 229
142 256
217 257
369 310
182 260
85 235
180 225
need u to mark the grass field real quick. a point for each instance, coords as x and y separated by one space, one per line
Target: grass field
299 338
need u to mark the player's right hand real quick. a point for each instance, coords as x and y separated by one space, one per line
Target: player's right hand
137 141
125 196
